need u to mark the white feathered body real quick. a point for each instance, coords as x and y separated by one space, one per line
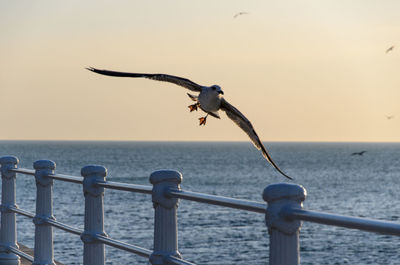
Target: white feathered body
209 99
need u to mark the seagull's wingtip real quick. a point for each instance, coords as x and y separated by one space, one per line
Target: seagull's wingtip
90 68
288 177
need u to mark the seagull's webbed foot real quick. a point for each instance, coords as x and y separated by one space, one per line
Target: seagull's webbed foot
193 107
203 120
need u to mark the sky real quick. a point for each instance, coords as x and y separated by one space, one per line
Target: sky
311 70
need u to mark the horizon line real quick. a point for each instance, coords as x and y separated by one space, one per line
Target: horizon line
190 141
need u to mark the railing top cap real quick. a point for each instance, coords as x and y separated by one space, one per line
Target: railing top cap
94 170
280 191
9 160
44 164
165 175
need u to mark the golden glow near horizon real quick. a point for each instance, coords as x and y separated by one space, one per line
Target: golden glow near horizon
299 70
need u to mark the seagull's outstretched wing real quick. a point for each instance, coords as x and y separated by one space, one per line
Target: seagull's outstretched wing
390 49
159 77
235 115
239 14
358 153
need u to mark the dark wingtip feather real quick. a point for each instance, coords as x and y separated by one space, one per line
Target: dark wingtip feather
269 159
280 171
287 176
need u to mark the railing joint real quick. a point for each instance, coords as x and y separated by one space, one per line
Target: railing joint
43 220
286 213
8 208
167 192
89 182
96 182
89 238
4 248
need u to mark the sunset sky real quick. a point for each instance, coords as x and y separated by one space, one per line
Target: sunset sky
309 70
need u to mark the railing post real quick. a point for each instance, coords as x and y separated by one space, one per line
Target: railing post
43 252
8 230
284 233
93 251
165 219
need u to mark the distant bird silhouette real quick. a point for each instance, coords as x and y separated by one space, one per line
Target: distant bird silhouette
389 117
239 14
390 49
358 153
208 100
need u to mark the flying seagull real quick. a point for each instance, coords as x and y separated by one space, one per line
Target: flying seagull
208 100
390 49
239 14
358 153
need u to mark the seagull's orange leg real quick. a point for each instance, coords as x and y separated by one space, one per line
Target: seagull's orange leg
203 120
193 107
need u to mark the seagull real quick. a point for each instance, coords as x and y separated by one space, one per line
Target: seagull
239 14
358 153
390 49
208 100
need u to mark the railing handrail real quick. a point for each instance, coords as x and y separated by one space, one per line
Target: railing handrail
20 253
283 214
229 202
62 177
125 187
240 204
24 171
177 261
364 224
124 246
360 223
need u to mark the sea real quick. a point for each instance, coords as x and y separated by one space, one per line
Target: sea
337 182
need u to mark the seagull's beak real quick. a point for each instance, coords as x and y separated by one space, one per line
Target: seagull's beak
221 92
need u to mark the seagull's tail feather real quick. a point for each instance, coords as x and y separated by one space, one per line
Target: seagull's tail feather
266 155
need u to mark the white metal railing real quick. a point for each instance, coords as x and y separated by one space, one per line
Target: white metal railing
283 215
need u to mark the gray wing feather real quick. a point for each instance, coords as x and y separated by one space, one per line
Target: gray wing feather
237 117
180 81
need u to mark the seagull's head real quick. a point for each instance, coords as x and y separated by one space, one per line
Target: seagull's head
217 89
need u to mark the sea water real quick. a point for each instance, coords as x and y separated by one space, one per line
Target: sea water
336 182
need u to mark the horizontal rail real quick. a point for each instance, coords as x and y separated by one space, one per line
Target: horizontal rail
177 261
218 200
61 177
54 223
125 187
124 246
20 253
383 227
66 178
23 171
21 212
64 227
